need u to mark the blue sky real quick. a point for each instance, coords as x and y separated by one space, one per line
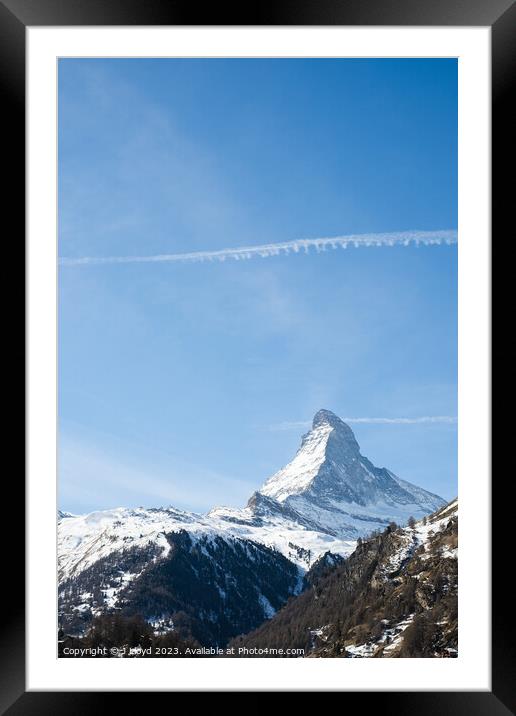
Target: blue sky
176 380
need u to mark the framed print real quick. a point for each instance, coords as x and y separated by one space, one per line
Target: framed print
258 316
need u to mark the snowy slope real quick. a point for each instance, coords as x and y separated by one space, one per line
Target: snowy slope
85 539
298 475
206 587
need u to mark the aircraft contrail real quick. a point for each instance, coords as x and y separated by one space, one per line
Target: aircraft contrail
403 238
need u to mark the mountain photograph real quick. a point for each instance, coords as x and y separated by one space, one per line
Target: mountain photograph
327 552
257 358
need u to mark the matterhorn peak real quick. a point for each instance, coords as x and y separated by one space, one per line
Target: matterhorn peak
329 472
324 416
326 420
329 436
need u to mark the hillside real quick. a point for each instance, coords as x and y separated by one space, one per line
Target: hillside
207 589
395 596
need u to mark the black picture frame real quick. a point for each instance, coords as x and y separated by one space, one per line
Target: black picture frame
500 15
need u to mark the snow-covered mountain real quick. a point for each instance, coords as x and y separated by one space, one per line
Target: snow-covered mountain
328 467
331 488
327 497
324 499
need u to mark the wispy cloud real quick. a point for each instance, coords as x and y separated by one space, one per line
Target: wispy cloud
302 424
403 238
91 478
